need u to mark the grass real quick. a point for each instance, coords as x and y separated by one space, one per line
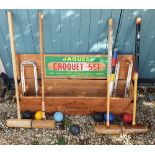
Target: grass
67 122
61 141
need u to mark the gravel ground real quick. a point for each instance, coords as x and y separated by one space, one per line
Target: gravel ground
62 135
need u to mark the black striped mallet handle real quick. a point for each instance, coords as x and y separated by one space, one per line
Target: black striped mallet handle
137 51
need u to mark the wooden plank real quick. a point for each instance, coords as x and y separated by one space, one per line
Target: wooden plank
33 18
74 106
4 30
124 29
75 31
4 54
84 31
95 17
19 40
116 16
65 87
25 30
103 30
47 31
56 31
145 40
65 30
147 62
79 91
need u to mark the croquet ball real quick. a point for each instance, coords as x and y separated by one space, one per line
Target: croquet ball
98 117
127 118
39 115
75 130
27 115
111 117
58 116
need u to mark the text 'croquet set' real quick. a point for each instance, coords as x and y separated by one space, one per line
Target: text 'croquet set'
100 85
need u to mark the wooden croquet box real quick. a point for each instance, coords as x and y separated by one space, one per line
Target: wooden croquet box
74 96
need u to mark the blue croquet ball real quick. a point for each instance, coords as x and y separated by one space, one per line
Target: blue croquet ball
111 117
75 130
58 116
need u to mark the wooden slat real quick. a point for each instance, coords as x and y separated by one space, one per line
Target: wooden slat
80 105
56 31
147 63
47 31
125 37
19 37
32 15
65 87
84 30
115 16
4 54
65 30
75 30
94 30
4 32
147 21
124 26
25 29
103 29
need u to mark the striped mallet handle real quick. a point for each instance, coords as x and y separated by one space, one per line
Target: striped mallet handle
110 39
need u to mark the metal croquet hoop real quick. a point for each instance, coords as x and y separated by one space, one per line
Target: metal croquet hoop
128 80
22 65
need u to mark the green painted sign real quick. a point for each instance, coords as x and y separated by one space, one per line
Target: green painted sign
76 66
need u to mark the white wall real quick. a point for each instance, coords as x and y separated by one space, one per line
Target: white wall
1 67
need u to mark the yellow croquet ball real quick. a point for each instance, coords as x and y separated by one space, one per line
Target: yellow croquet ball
39 115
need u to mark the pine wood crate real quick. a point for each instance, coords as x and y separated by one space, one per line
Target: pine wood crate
74 96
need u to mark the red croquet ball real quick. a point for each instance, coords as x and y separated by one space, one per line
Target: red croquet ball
127 118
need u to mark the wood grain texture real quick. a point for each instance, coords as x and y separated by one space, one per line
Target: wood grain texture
13 51
28 123
77 105
75 87
77 97
117 130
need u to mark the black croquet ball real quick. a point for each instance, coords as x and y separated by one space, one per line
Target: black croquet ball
75 130
27 115
98 117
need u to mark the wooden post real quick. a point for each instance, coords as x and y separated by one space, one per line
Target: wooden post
41 44
135 98
13 51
